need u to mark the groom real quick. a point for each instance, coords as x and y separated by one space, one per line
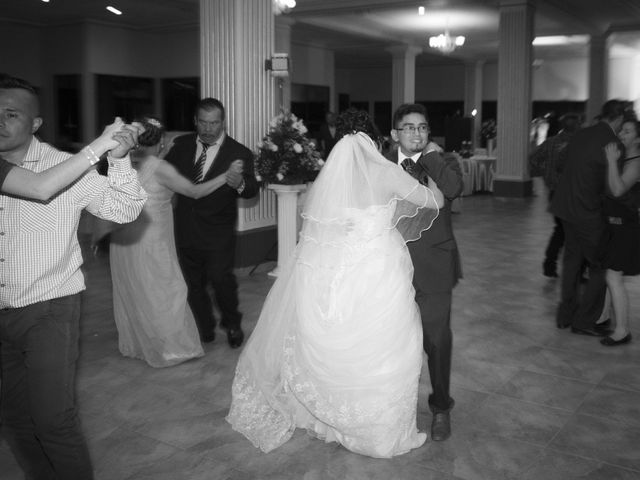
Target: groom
205 227
435 256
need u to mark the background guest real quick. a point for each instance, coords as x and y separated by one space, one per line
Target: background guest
546 160
149 293
622 239
578 203
327 135
205 227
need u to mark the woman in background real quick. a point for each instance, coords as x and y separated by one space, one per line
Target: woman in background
621 245
149 293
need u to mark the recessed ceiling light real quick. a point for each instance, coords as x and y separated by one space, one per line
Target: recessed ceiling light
45 1
420 10
114 10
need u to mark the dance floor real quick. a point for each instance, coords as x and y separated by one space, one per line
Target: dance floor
532 402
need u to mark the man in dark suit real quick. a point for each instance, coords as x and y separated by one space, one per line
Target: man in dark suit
205 228
435 256
578 203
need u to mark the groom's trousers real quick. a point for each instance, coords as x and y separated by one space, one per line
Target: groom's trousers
435 310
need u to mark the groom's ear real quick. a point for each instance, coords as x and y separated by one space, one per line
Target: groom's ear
394 135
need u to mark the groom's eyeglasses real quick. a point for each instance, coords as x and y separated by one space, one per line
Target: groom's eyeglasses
410 129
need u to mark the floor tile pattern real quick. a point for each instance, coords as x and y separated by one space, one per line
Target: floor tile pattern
532 402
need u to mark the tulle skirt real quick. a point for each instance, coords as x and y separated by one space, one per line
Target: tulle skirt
337 351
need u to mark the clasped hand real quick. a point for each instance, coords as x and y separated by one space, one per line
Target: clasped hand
120 137
234 174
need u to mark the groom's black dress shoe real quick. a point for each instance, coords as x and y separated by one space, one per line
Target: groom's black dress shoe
235 336
441 426
591 331
610 342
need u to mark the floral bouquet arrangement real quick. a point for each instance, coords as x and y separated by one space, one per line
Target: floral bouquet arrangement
286 155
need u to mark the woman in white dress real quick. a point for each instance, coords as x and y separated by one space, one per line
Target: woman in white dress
150 306
338 346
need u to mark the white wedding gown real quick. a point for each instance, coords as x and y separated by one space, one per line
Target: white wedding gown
338 346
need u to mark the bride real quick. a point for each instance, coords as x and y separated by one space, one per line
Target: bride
337 349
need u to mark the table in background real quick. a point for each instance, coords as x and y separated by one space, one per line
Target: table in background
478 172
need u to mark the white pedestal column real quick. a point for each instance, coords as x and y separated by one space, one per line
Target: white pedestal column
287 197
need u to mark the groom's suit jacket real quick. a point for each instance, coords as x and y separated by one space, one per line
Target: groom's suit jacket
435 255
208 223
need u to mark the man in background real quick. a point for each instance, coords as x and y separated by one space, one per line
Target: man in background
205 227
547 161
577 201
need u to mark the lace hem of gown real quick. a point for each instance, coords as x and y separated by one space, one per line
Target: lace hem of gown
381 425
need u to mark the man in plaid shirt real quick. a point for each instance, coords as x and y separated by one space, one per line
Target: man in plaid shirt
40 285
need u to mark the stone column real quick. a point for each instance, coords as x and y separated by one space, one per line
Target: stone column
514 98
473 96
236 37
598 75
403 72
283 45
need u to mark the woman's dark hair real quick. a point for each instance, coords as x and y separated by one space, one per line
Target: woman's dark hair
634 122
153 131
353 121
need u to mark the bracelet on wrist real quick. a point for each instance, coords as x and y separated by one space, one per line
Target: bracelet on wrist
91 155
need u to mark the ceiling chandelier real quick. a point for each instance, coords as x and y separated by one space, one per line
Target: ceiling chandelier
283 6
445 42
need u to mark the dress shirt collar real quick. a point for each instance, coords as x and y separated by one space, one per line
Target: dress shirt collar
402 156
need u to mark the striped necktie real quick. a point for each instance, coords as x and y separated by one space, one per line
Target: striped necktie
198 168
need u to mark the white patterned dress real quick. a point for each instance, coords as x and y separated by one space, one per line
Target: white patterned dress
150 307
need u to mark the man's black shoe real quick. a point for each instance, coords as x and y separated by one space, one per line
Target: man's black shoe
441 426
235 336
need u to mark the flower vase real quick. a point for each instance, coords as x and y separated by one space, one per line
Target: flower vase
491 146
287 220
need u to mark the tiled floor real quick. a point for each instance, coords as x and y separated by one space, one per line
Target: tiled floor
532 402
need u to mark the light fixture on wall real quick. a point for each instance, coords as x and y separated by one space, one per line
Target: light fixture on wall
283 6
445 42
278 65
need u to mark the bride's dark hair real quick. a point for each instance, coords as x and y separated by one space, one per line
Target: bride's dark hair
352 121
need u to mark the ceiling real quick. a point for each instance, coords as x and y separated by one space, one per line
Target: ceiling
361 31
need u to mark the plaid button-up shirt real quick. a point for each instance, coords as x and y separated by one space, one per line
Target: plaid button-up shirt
40 256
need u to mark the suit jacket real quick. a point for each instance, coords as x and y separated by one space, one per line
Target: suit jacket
581 186
209 222
435 256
